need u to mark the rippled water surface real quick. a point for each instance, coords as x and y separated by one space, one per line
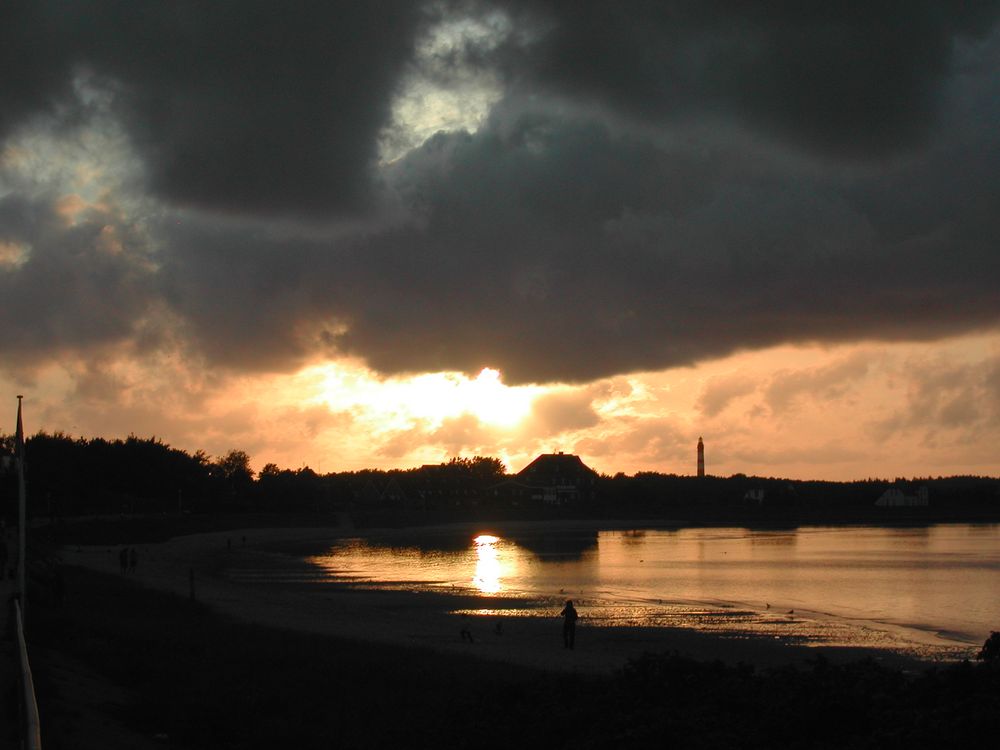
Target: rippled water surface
931 589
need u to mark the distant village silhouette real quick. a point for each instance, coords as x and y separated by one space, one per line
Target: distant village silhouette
133 475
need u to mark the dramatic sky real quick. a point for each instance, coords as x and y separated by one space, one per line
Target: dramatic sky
380 234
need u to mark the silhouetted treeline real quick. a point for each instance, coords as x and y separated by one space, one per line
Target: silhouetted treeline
67 475
752 497
76 476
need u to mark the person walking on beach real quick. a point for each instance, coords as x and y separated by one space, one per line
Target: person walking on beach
133 558
569 615
466 633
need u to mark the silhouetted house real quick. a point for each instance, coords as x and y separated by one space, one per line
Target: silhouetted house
368 493
557 479
393 494
514 493
437 486
896 498
771 495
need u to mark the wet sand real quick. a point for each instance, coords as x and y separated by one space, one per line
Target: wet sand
423 620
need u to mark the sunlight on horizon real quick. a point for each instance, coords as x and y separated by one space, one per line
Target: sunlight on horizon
902 409
396 402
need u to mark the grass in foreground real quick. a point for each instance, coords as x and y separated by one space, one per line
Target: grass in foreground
207 681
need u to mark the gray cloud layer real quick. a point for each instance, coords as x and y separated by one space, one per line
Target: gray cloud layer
245 106
659 183
850 78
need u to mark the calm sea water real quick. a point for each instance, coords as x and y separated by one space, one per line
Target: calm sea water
934 590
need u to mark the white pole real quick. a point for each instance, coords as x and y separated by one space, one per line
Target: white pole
32 729
22 515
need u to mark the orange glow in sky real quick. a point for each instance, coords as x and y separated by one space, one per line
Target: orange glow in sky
397 402
840 412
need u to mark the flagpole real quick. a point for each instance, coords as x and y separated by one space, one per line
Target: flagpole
22 514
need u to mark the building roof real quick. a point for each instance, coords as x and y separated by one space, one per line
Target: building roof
556 468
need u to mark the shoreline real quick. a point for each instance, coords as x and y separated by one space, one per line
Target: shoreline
128 529
426 619
124 665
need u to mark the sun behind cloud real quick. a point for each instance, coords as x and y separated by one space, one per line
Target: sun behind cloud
396 403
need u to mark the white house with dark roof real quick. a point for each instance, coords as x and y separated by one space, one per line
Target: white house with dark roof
896 498
551 479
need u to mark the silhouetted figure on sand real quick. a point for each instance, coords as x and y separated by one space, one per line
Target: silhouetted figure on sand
569 615
990 652
133 558
465 632
123 560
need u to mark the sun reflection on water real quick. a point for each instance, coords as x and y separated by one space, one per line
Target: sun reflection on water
487 576
905 590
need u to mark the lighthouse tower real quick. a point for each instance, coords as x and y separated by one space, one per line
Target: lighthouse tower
701 458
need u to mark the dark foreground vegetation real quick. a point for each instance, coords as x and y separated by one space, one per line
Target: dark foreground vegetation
70 477
198 680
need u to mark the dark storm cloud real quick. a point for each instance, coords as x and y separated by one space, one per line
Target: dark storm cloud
657 184
557 250
848 78
255 299
242 106
554 248
76 284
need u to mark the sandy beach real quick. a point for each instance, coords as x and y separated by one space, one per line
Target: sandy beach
424 620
